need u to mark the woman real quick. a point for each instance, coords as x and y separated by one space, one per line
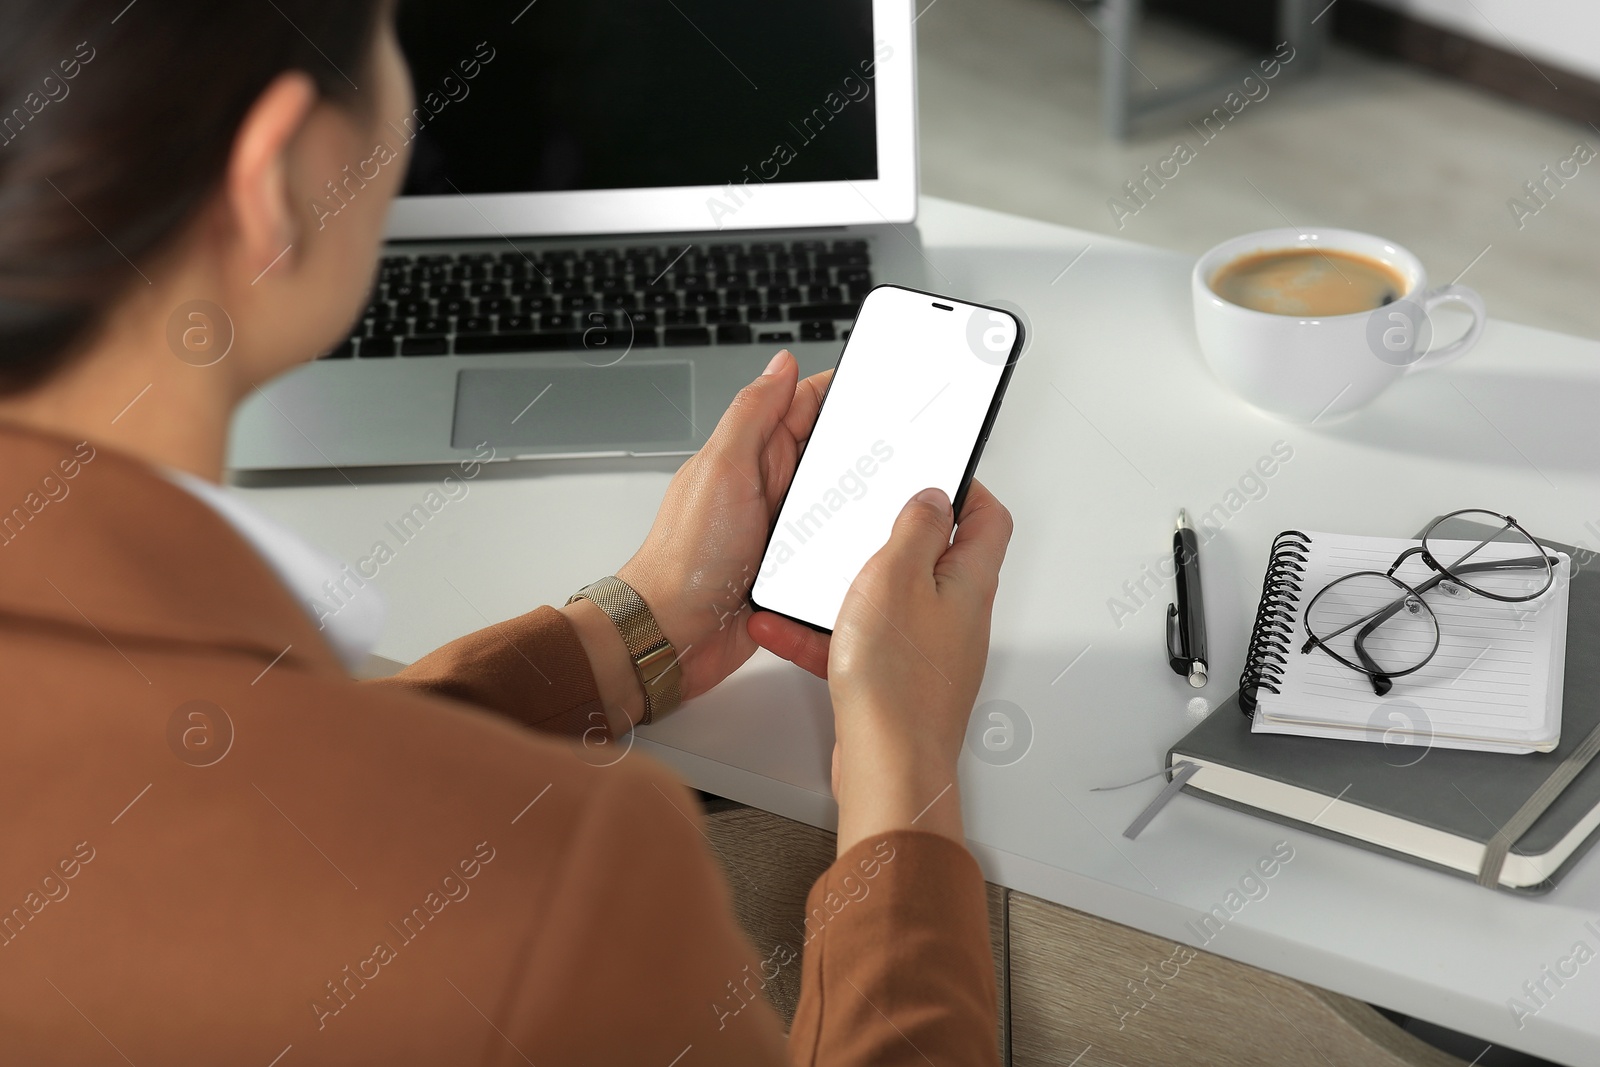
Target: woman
421 869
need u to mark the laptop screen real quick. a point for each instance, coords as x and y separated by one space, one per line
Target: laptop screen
569 95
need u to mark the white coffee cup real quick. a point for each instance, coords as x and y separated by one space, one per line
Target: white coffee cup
1307 369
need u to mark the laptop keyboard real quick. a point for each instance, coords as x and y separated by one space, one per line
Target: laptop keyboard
649 296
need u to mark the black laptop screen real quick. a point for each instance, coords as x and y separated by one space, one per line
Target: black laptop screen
560 95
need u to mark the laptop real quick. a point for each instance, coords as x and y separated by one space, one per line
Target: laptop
614 215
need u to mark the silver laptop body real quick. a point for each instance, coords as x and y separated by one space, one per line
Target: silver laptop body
562 297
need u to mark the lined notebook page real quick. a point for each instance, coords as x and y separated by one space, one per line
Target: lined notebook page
1495 682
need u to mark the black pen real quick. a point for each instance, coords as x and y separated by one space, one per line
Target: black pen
1186 620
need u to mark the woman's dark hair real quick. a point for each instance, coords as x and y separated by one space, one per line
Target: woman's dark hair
116 122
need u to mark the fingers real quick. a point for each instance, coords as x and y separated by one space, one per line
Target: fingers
920 536
787 639
981 538
746 426
807 403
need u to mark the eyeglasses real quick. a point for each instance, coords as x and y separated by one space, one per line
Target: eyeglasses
1374 623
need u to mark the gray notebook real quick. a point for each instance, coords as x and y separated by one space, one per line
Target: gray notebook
1437 807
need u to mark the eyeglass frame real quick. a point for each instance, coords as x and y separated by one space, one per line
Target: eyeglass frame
1383 681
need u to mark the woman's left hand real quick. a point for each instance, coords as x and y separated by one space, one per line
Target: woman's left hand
696 566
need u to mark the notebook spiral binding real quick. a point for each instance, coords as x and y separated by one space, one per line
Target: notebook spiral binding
1269 640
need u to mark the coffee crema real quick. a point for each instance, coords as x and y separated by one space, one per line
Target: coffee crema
1310 282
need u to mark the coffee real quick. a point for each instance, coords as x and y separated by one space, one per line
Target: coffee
1308 282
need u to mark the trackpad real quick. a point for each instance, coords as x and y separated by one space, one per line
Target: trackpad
647 407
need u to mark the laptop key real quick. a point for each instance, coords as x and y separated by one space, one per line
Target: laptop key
816 331
414 308
473 324
717 316
733 335
556 320
458 306
424 327
424 346
601 340
681 317
388 328
643 318
856 245
785 294
700 298
343 351
515 323
817 312
374 347
848 275
687 335
660 299
487 344
779 337
495 305
764 314
824 294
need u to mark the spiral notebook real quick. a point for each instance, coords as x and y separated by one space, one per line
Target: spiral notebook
1515 822
1494 684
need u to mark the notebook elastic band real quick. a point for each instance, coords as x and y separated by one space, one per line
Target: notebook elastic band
1494 854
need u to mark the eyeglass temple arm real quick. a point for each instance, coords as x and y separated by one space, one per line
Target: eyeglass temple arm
1505 564
1480 566
1381 682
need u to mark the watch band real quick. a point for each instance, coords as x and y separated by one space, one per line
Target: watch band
654 659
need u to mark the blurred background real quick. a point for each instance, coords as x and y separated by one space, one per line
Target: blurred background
1423 122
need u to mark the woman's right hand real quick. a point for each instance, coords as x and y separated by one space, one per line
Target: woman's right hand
904 664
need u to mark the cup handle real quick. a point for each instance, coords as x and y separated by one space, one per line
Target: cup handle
1468 298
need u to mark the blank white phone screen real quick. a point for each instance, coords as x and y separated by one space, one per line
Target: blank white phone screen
904 412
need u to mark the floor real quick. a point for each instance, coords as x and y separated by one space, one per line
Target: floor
1010 120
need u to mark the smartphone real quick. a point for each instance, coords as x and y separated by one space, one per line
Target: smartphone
913 398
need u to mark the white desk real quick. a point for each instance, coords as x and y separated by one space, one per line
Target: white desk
1094 485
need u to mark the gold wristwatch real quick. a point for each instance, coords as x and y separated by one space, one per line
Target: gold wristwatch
654 659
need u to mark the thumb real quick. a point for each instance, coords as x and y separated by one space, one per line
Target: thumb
748 423
921 534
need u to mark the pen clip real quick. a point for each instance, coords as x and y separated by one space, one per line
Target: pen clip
1177 654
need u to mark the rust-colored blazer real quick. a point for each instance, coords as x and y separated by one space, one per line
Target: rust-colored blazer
419 870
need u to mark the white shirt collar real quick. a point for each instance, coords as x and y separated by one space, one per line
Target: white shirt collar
346 608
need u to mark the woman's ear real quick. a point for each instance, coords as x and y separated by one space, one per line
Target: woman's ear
257 183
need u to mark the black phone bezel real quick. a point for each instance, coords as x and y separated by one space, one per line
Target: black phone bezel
972 459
